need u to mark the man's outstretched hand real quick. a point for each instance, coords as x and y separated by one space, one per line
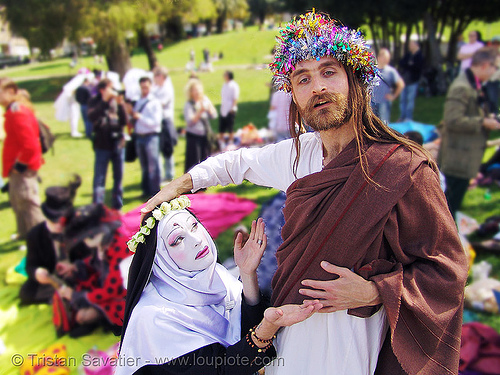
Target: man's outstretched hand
177 187
349 291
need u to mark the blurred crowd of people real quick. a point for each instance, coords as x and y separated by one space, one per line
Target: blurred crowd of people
75 255
404 79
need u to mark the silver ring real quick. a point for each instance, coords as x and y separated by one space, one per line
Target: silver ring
259 242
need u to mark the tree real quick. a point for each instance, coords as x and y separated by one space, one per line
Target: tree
44 24
259 9
237 9
388 20
109 22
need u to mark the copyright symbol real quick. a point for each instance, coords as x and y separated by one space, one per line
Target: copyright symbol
17 360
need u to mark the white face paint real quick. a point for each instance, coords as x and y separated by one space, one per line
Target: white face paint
186 242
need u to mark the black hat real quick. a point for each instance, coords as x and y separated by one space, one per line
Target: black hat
88 221
58 202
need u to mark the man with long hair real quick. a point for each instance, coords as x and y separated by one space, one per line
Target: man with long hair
21 156
367 230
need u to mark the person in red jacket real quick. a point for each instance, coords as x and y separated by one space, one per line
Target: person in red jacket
22 156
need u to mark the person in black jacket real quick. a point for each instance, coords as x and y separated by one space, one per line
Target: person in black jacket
82 96
108 117
48 263
411 67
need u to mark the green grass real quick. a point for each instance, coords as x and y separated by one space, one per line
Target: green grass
248 47
243 47
76 156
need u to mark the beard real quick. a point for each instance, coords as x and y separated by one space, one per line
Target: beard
331 117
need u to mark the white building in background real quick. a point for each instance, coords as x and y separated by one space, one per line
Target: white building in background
10 44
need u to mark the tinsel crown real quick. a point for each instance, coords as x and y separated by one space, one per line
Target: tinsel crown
313 36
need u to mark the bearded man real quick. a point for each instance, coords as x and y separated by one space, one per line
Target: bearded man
367 229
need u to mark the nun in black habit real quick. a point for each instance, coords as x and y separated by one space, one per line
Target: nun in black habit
185 313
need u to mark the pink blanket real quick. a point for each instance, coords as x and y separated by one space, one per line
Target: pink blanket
217 212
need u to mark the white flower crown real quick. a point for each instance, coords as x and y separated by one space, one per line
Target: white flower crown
158 213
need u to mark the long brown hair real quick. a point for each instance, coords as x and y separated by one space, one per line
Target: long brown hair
367 126
21 96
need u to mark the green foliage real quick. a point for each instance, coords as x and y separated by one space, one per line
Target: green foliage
197 10
110 21
43 23
232 8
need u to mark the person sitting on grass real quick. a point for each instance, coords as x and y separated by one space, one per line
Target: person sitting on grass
98 297
47 256
185 312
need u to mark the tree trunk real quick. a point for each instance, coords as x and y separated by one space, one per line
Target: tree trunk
145 43
208 25
374 31
436 76
262 16
385 35
451 54
396 37
419 32
118 58
221 18
409 28
174 28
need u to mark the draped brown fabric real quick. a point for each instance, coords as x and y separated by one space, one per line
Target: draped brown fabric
398 234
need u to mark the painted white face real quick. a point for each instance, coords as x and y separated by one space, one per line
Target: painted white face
186 242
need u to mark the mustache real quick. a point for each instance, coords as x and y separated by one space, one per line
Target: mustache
330 97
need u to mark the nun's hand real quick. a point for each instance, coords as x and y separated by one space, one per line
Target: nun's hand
247 257
288 315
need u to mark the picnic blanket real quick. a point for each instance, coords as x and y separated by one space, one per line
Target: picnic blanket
217 212
429 132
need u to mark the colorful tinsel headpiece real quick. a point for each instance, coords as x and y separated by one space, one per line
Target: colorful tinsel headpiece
158 213
314 35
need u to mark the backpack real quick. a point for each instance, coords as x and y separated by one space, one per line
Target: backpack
168 137
46 137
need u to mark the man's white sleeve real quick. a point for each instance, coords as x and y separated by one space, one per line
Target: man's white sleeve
269 166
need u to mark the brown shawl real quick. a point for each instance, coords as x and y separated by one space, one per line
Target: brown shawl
399 235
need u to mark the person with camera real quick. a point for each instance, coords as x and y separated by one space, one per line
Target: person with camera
108 117
466 126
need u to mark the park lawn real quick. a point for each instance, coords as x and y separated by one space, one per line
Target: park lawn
249 47
72 155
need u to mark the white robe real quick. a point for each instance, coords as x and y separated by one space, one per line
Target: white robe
334 343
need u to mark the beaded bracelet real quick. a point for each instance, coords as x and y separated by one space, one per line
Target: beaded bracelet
254 334
252 344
